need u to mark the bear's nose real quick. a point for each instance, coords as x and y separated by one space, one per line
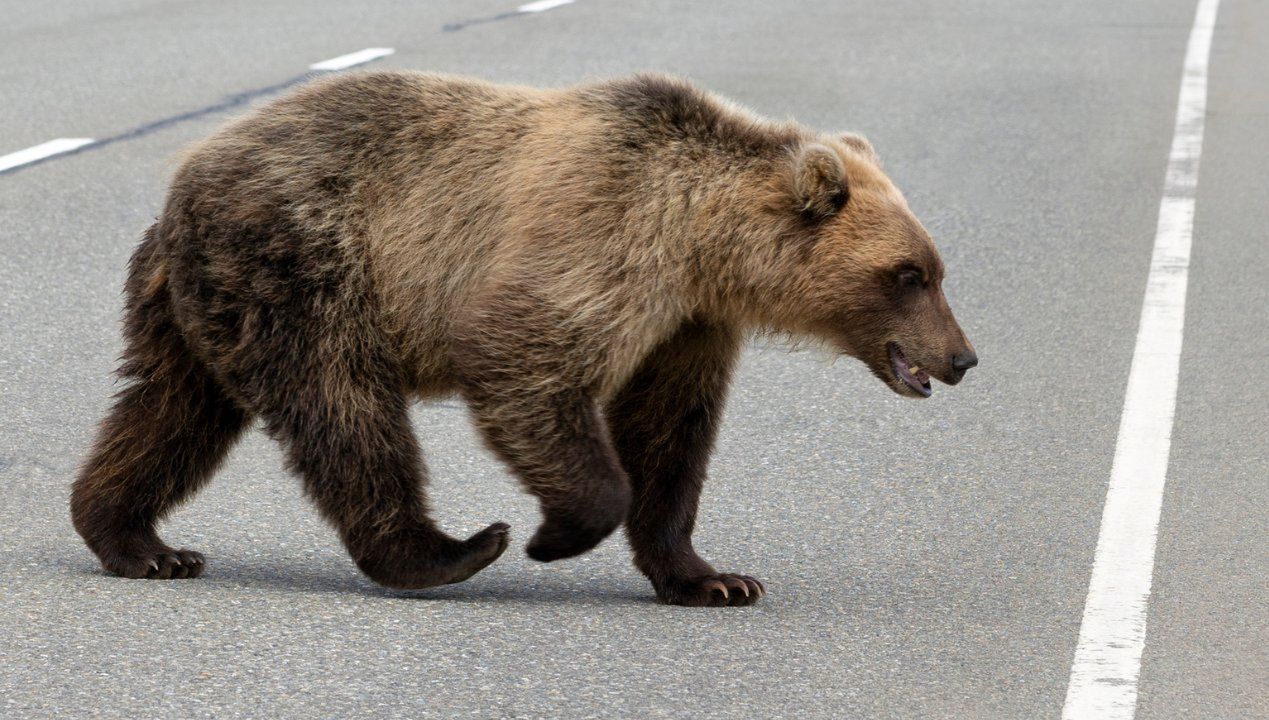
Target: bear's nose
963 361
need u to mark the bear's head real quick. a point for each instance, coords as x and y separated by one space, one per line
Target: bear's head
869 278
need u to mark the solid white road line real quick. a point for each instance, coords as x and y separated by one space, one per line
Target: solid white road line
41 151
1103 684
542 5
358 58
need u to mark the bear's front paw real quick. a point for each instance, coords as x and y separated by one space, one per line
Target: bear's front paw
723 589
564 536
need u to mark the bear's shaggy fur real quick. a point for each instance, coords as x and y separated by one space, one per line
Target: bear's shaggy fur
582 265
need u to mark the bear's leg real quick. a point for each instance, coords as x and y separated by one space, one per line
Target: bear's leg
558 446
159 444
291 319
350 439
542 422
663 424
164 437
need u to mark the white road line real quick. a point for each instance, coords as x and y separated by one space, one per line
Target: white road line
346 61
542 5
1103 684
41 151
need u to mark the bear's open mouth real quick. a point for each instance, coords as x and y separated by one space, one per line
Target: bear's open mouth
913 377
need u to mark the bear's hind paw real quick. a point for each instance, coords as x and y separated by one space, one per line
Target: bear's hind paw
432 559
486 546
162 563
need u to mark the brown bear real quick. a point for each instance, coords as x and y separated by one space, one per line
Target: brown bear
582 265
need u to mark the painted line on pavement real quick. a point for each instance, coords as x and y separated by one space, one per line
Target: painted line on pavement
526 9
542 5
43 151
360 57
40 153
1107 665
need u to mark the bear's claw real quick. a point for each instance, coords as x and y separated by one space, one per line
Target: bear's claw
724 589
159 564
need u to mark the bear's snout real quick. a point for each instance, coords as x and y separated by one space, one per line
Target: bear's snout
961 362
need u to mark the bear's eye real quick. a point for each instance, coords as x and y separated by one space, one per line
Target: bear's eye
910 278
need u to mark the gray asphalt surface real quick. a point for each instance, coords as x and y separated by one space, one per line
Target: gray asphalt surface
923 560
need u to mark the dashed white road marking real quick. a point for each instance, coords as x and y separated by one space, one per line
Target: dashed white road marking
41 151
1103 683
351 59
542 5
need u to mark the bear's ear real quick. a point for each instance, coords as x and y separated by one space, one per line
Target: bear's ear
819 181
859 144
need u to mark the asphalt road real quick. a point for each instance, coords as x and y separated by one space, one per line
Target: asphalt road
923 560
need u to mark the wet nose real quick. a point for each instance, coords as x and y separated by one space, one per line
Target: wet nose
963 361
